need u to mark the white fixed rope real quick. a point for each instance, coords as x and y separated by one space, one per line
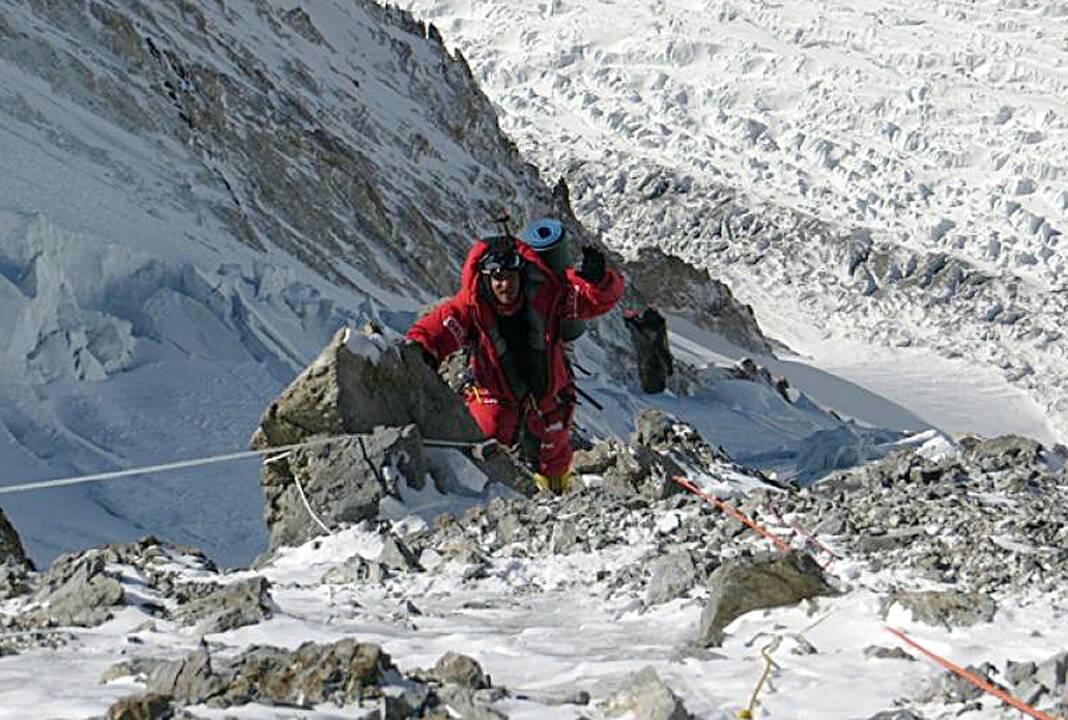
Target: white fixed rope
277 451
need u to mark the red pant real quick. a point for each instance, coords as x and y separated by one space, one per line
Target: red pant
550 424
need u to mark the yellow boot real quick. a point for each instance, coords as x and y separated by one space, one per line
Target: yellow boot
557 485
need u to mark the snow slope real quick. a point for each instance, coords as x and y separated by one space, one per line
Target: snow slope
876 172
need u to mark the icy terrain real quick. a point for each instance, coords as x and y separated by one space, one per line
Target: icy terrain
885 173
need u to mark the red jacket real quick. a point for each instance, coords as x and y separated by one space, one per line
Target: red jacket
467 319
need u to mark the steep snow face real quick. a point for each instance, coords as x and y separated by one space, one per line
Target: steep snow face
878 172
194 198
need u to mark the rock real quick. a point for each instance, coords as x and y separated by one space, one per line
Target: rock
766 581
651 427
648 333
564 537
466 703
597 459
555 697
646 697
460 670
395 555
355 570
359 384
14 578
228 607
672 576
887 653
11 550
343 482
341 673
141 707
949 608
76 590
1004 452
896 715
952 688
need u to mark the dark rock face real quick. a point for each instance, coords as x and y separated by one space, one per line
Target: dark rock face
11 550
647 697
227 607
387 395
952 609
766 581
648 333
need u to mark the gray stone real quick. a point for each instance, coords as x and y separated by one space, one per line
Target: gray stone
896 715
647 697
228 607
355 570
387 395
14 578
76 590
651 427
461 670
466 703
597 459
395 555
1004 452
11 550
141 707
672 576
952 688
886 653
949 608
340 673
766 581
564 537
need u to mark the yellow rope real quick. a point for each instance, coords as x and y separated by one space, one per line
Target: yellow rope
766 651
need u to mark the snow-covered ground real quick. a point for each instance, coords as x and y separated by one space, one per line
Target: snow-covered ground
884 172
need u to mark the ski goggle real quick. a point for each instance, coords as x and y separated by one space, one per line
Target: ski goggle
500 264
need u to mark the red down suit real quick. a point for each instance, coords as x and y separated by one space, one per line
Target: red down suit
468 319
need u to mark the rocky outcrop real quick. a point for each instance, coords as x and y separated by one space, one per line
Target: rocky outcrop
765 581
679 288
11 551
226 607
910 511
346 673
76 590
388 397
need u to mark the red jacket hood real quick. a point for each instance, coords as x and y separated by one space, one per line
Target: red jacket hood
469 276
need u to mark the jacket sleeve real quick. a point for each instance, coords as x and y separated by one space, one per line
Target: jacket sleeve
443 330
584 300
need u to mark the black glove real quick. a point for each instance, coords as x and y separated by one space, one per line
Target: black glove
592 265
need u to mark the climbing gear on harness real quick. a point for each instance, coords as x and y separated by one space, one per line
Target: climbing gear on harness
481 451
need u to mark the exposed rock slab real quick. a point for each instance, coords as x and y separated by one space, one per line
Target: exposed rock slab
227 607
385 393
76 590
765 581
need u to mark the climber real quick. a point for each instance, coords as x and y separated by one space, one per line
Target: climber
507 314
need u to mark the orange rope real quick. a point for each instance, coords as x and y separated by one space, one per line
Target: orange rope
683 482
973 678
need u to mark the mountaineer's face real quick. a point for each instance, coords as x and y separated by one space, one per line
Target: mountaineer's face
504 284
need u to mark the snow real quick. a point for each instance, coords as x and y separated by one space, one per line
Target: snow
745 136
